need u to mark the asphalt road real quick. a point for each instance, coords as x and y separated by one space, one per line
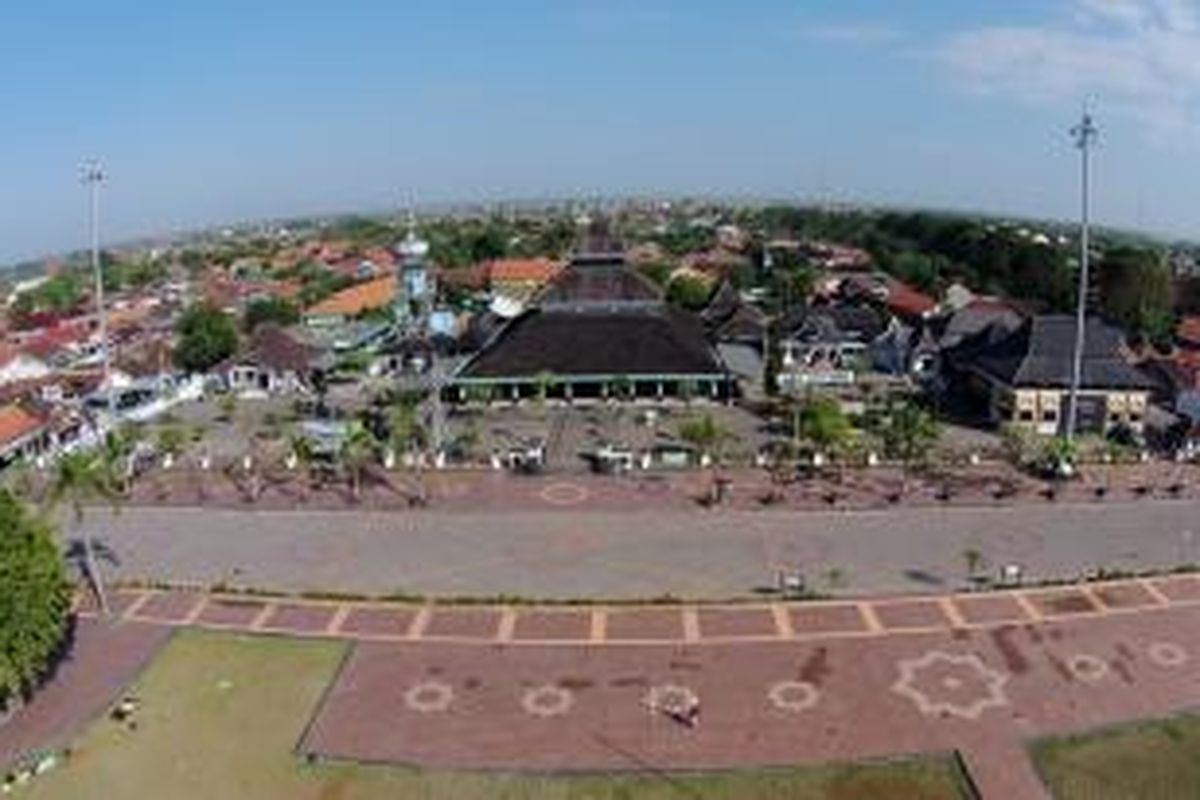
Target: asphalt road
638 554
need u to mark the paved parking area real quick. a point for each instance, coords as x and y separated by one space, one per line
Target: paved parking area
637 551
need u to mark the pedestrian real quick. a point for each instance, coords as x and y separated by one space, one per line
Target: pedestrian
691 712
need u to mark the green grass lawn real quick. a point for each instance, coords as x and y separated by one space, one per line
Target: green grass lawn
1158 759
221 713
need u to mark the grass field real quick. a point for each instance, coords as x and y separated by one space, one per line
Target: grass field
1158 759
221 713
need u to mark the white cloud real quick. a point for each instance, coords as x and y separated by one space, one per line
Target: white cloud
859 33
1139 57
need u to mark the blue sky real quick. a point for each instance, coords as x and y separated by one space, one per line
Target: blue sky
217 111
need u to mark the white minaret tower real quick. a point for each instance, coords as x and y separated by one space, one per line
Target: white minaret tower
414 290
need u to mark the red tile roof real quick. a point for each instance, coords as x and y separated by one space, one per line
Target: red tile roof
15 423
356 299
906 301
525 270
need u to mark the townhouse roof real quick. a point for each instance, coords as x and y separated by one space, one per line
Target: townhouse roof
834 323
907 302
1040 352
274 347
16 423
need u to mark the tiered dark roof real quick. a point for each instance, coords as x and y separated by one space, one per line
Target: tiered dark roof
644 341
598 318
599 282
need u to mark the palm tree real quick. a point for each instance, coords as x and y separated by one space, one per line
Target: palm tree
117 452
356 453
709 437
301 455
81 478
543 383
405 433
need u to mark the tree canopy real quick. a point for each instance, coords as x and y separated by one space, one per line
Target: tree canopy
820 422
687 292
35 597
1135 292
270 309
206 337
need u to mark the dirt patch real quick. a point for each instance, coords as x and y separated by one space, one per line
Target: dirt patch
1062 669
628 682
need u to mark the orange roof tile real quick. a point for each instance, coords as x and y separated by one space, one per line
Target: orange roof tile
356 299
540 270
905 300
16 422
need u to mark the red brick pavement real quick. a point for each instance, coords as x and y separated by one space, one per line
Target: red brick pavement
911 614
300 617
553 624
578 708
378 621
564 688
990 608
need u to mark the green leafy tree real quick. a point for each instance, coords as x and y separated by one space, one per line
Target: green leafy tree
704 433
82 478
276 310
206 336
909 434
688 292
35 599
820 422
1135 292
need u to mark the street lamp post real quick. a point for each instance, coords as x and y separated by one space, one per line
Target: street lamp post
1084 134
93 176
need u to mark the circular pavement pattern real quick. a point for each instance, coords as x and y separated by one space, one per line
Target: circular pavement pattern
429 697
793 696
563 494
1087 667
547 701
1167 654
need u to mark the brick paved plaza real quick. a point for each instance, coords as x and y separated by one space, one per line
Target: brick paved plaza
581 689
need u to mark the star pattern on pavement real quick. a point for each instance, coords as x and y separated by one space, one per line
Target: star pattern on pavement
949 684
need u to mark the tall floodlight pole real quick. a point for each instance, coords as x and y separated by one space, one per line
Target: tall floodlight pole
1085 135
93 177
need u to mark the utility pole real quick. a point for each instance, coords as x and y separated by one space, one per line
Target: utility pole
1085 135
93 176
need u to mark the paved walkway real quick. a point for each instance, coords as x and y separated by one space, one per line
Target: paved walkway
620 625
583 689
639 554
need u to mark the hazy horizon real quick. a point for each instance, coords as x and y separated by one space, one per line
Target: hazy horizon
213 114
